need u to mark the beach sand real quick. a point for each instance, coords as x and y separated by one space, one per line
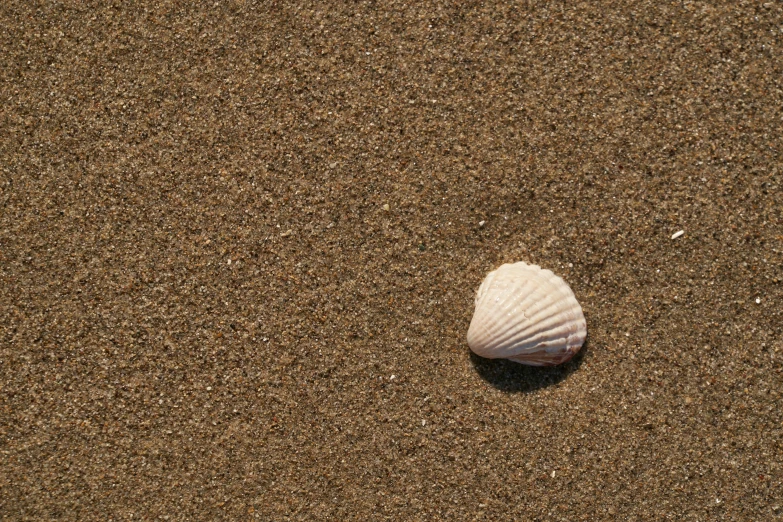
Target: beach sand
240 242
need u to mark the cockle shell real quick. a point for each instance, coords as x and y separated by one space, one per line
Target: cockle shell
526 314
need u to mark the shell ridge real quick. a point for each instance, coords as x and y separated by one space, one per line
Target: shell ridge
535 323
552 334
529 327
492 322
506 306
497 282
528 315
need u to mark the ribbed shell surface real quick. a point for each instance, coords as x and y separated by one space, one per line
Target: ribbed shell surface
526 314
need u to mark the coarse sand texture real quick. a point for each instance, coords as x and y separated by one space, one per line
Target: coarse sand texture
240 243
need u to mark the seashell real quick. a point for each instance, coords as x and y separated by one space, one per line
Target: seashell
528 315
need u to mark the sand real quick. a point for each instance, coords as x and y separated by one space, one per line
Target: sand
240 241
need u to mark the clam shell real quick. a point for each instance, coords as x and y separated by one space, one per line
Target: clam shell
528 315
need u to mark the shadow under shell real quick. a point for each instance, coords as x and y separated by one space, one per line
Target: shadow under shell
513 377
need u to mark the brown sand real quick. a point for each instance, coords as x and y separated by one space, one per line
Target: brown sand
207 313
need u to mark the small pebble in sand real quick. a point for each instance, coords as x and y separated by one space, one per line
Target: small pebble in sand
758 300
677 234
482 223
386 207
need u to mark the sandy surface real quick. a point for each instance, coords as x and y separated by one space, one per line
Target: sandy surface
207 311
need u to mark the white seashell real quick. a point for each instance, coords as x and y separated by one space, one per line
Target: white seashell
528 315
